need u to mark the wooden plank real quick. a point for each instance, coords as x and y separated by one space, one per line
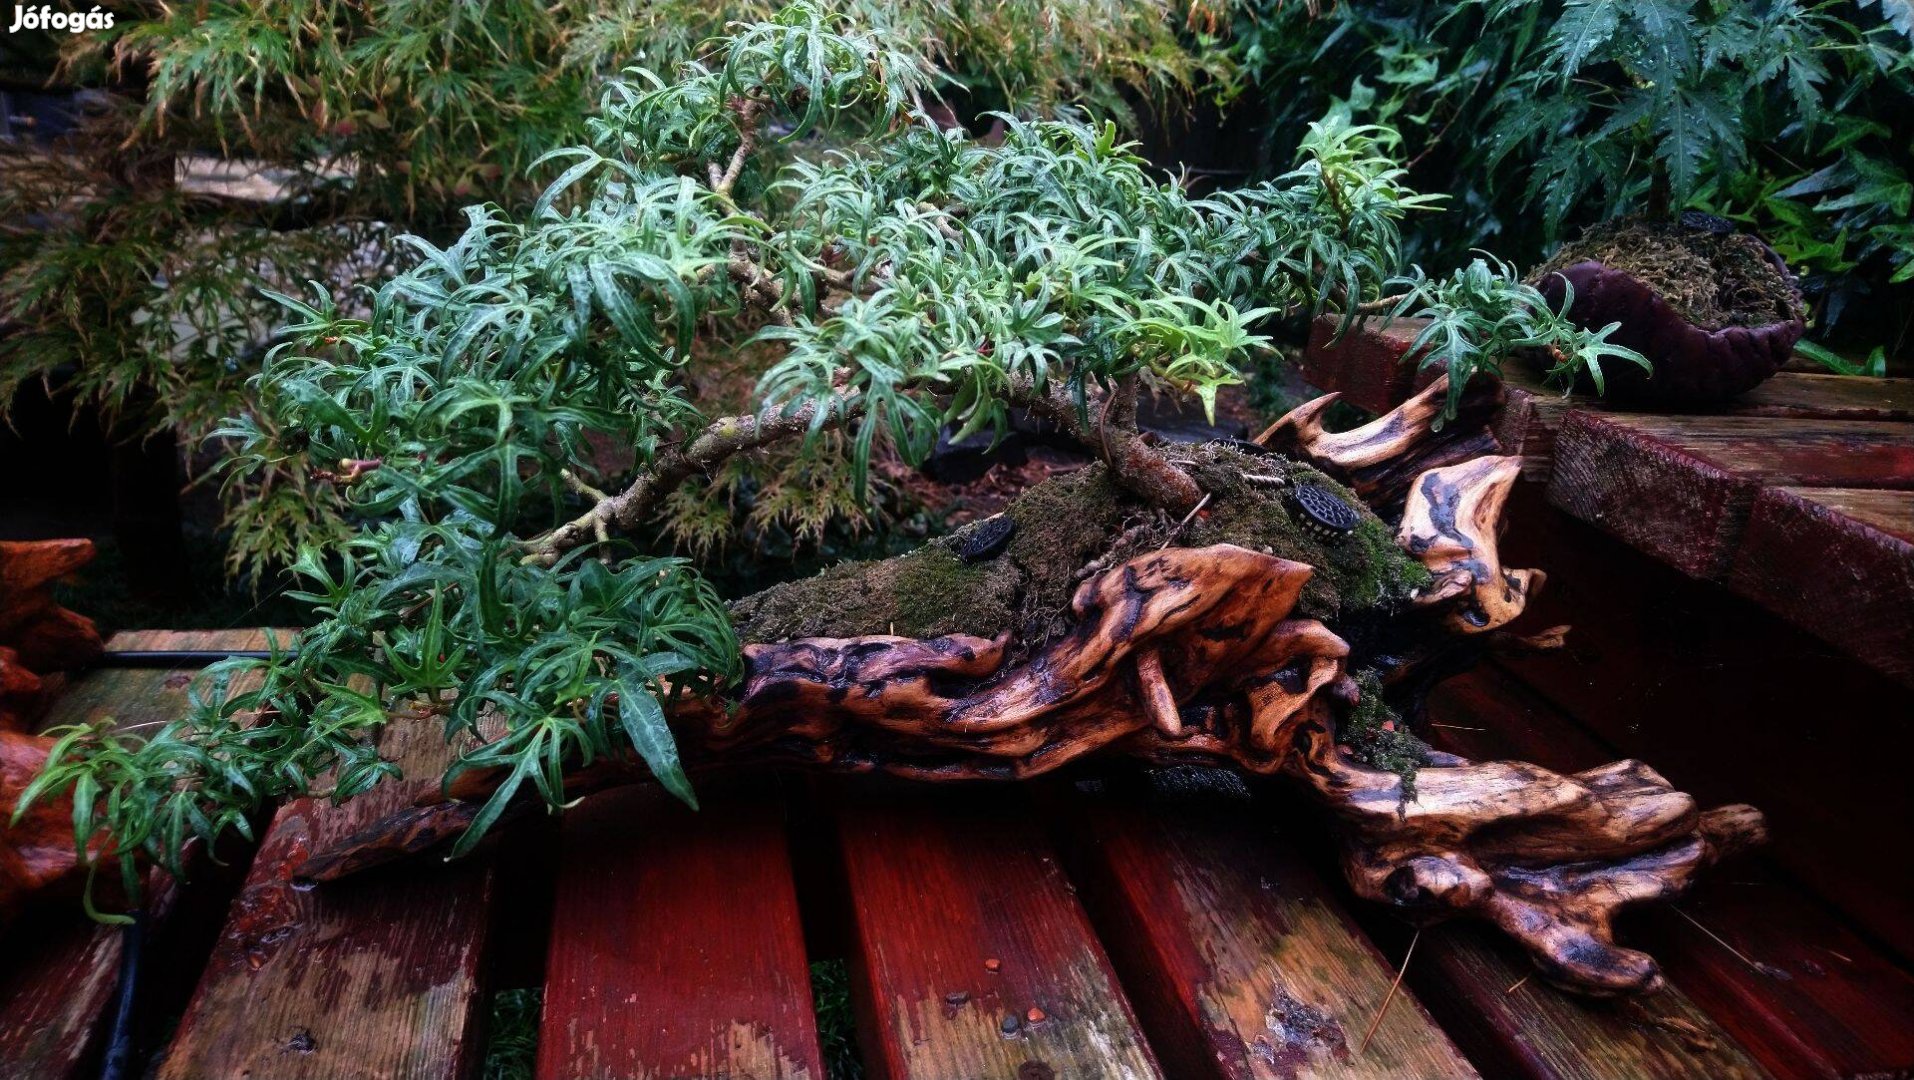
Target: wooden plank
373 976
676 949
1240 960
1823 1002
62 968
1732 703
1828 397
1681 488
1366 367
1838 563
972 957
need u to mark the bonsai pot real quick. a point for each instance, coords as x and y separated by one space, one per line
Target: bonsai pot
1715 311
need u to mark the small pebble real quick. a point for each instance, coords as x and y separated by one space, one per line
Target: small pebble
1009 1026
993 965
1034 1016
957 997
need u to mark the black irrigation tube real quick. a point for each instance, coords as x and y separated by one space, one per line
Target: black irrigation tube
120 1042
177 658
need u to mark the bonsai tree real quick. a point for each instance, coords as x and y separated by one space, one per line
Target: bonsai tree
223 151
1220 603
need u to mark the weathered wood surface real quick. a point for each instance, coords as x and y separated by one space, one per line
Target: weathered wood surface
61 968
1533 1029
1838 562
1733 703
379 976
1681 488
1773 966
972 957
1241 961
676 949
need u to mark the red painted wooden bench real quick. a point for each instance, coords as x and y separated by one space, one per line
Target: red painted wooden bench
1124 925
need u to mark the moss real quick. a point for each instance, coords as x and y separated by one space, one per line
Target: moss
1081 520
1363 571
1379 738
1711 279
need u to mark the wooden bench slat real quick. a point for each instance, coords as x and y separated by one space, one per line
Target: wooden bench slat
1681 488
942 886
677 950
62 968
1838 563
1826 1002
373 976
1241 962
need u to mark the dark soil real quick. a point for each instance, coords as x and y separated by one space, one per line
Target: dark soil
1713 280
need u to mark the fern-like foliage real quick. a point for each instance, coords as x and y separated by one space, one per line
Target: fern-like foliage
1541 116
786 192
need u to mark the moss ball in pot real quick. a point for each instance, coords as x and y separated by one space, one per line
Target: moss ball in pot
1715 311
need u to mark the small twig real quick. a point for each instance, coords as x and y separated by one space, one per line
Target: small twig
1517 985
1761 968
1456 727
1187 518
1390 996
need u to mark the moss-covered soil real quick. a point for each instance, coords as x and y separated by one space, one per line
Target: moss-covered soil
1068 528
1713 280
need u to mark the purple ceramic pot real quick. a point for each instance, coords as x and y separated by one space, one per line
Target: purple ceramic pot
1692 365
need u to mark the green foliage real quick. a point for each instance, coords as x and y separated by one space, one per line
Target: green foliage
1539 116
145 296
1484 312
915 279
511 1038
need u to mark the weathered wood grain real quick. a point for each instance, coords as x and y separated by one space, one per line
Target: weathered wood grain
1782 973
1839 563
61 968
1239 959
375 976
1366 367
1681 488
972 957
676 950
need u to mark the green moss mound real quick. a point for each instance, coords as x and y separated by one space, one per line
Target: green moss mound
1069 528
1713 280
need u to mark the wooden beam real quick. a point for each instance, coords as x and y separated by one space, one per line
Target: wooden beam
379 975
972 955
1839 563
61 968
1770 964
1242 962
1681 488
676 947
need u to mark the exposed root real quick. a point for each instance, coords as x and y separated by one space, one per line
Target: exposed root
1450 523
1550 859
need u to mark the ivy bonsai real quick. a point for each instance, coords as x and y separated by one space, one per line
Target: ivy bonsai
910 280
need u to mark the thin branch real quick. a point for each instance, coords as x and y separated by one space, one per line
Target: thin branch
750 111
718 442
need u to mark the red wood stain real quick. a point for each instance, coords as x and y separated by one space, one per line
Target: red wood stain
677 949
942 883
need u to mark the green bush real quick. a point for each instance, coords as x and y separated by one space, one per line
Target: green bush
1541 116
